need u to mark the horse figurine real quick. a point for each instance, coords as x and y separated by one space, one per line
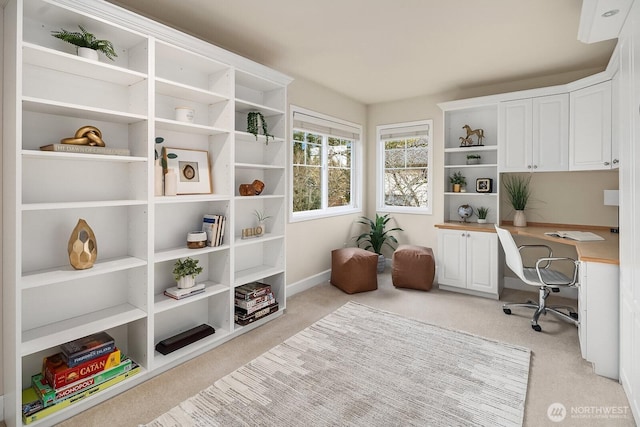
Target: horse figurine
465 141
477 132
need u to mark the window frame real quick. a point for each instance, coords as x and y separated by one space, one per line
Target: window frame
355 205
381 206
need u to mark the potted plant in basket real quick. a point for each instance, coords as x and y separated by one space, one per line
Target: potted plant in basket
88 45
482 213
518 192
377 237
473 159
458 180
185 272
255 122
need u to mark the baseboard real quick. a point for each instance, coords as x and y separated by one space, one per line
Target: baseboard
308 283
515 283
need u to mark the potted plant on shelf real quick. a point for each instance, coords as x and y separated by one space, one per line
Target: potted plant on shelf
87 44
518 193
262 218
473 159
458 180
482 213
377 236
255 123
185 272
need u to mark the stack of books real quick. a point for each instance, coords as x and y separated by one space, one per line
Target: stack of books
82 367
214 226
179 293
254 301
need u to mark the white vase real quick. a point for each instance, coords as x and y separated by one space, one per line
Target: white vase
186 282
519 219
85 52
482 220
381 263
262 228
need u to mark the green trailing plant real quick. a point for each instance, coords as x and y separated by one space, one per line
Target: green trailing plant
86 39
377 236
186 267
482 212
255 123
458 178
517 190
260 215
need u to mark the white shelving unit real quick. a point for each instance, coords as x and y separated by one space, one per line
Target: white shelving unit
50 92
455 159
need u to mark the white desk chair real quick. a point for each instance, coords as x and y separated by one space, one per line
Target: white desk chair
542 276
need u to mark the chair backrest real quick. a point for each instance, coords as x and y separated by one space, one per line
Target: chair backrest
511 252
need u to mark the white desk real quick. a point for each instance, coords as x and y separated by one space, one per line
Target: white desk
598 290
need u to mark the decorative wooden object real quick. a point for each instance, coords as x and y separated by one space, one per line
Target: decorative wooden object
479 133
82 246
253 189
86 135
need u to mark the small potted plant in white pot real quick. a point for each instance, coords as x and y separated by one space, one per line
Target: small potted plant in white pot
262 218
87 44
458 181
473 159
185 272
482 213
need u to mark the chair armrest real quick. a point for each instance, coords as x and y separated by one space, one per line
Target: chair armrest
550 260
548 248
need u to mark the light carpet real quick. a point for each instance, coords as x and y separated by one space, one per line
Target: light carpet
363 366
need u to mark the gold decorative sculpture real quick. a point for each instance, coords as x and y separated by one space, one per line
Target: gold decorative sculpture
86 135
82 246
479 133
253 189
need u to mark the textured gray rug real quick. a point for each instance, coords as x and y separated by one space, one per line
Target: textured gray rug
360 366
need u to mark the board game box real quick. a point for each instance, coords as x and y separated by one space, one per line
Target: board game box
58 374
252 290
243 320
87 348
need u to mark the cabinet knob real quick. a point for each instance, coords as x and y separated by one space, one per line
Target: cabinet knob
616 161
606 163
528 166
535 166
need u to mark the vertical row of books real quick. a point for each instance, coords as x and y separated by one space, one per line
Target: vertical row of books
82 368
214 226
254 301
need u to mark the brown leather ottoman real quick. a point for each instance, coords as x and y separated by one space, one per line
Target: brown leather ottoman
413 267
354 270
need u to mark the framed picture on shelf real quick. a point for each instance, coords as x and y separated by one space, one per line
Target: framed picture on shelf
484 185
192 168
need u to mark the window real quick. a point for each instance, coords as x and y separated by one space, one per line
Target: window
325 164
405 153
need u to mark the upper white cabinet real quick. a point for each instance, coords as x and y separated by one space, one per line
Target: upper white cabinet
590 128
534 134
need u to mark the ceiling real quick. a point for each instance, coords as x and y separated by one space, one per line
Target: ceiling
383 50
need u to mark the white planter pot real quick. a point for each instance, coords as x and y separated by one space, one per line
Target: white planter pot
85 52
186 282
520 219
381 263
482 221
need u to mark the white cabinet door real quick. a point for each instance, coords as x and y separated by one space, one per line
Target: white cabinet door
590 128
452 258
482 262
615 120
515 136
551 133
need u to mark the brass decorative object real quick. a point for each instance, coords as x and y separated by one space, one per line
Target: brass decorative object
253 189
82 246
86 135
479 133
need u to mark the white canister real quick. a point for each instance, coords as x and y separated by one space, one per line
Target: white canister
184 114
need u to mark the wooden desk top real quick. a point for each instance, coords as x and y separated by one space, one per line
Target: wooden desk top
604 251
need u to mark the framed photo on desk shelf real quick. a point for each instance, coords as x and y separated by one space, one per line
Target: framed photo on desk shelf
484 185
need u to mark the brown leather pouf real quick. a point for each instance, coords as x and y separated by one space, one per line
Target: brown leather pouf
354 270
413 267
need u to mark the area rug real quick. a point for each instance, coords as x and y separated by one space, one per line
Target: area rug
360 366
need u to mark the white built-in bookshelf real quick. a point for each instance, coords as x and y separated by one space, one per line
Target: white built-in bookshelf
50 93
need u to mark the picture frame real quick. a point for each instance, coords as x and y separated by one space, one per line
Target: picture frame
484 185
193 169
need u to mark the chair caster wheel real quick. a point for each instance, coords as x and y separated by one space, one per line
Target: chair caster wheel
574 315
506 310
536 328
